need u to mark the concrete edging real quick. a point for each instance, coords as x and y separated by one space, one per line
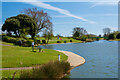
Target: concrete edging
74 59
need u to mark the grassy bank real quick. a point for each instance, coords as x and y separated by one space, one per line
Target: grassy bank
62 39
15 56
115 40
52 69
9 73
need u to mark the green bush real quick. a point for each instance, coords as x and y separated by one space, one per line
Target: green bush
6 38
38 41
29 43
64 41
84 37
44 41
111 36
12 40
118 36
70 40
97 39
53 69
58 41
78 38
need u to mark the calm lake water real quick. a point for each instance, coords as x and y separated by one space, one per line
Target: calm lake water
101 58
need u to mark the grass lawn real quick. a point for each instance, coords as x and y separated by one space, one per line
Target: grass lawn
55 39
9 73
15 56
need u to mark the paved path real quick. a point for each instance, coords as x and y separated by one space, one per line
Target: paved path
16 68
74 60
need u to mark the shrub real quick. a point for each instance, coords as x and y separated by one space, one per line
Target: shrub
64 41
53 69
118 36
44 41
84 37
25 45
111 36
70 40
38 41
97 39
35 41
78 38
6 38
58 41
12 40
17 42
29 42
69 37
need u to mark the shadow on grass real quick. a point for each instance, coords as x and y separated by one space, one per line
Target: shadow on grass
33 51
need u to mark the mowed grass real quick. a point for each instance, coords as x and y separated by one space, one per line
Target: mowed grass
62 39
15 56
9 73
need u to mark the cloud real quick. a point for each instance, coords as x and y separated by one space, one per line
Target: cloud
104 4
62 11
50 7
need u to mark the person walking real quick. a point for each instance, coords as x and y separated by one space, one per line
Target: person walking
33 45
20 42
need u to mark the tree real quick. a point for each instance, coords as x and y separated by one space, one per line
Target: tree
111 36
76 34
48 34
84 37
41 18
106 31
79 32
12 25
99 35
118 36
21 25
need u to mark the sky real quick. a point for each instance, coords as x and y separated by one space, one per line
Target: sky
93 16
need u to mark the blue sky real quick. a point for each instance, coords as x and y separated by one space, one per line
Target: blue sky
93 16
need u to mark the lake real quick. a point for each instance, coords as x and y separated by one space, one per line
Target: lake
101 58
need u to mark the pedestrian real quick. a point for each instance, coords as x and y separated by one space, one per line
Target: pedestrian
20 42
33 45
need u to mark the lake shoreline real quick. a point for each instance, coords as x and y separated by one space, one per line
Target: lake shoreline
74 59
71 58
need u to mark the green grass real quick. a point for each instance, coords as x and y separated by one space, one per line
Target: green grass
55 39
9 73
15 56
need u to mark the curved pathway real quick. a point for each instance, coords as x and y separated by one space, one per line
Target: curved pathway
74 60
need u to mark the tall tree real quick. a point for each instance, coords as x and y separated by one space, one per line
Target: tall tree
11 25
48 33
106 31
77 31
42 19
20 24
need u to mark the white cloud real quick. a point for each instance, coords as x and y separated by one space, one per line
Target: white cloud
62 11
104 4
60 16
50 7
